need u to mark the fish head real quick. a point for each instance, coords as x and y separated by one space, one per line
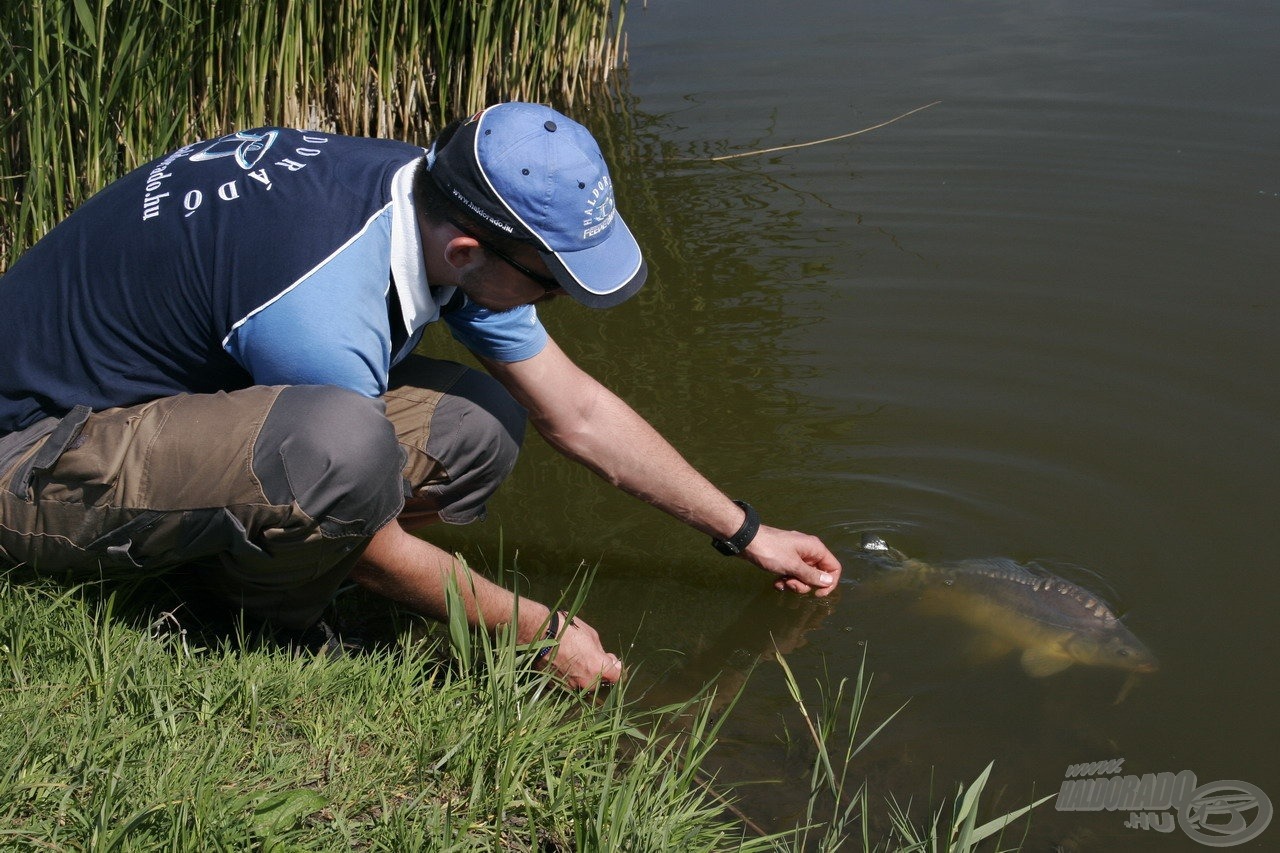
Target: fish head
1118 649
877 551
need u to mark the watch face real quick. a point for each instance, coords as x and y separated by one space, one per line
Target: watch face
725 547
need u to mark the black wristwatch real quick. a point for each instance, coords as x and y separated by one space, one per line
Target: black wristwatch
738 542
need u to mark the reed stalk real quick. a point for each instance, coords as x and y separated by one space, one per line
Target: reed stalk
92 88
837 809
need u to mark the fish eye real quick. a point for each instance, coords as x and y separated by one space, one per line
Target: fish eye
1124 653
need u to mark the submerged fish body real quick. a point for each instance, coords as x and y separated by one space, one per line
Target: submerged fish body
1054 622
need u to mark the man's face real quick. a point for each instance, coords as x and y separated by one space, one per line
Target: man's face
499 286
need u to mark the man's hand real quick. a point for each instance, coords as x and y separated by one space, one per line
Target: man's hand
801 562
580 660
416 573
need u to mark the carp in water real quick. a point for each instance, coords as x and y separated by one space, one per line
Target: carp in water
1054 622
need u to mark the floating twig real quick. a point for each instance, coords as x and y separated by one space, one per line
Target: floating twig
820 141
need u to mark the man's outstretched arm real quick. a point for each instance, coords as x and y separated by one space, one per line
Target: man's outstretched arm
415 573
592 425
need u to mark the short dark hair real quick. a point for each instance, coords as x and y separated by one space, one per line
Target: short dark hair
439 208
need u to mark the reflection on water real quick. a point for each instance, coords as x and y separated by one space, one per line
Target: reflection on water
1036 321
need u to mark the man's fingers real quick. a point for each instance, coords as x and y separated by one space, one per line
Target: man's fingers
809 578
801 561
792 585
582 662
612 671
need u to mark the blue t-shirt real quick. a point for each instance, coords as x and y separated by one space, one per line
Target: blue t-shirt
270 256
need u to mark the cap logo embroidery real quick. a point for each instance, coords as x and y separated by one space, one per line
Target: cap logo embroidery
600 209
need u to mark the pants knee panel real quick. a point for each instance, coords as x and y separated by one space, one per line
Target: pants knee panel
476 434
333 452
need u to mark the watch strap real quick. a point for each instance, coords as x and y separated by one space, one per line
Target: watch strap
738 542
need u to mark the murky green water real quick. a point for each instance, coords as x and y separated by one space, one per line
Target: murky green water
1037 320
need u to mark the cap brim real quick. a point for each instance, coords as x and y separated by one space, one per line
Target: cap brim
607 274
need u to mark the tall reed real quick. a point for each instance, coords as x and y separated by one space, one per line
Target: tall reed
92 88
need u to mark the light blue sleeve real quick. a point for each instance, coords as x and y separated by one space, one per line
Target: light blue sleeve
331 327
499 335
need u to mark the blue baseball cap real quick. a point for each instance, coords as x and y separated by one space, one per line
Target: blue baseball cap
539 176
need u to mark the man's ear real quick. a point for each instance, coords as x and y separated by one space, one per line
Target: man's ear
462 251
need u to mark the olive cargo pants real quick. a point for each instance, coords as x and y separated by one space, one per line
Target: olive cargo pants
271 493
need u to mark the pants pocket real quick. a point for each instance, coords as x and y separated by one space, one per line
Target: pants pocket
116 548
47 454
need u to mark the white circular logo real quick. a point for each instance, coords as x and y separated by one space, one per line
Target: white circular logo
1226 813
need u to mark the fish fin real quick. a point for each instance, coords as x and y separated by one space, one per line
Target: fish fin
1040 662
933 602
986 648
1130 680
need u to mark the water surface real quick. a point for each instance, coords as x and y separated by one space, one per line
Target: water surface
1034 321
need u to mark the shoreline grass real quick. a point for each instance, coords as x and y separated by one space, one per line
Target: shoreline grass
118 731
122 730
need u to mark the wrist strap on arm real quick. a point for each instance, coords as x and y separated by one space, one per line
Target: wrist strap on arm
738 542
553 631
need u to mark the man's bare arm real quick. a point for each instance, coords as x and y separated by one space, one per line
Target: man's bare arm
592 425
415 573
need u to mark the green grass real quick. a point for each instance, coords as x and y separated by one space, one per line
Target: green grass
838 811
122 730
